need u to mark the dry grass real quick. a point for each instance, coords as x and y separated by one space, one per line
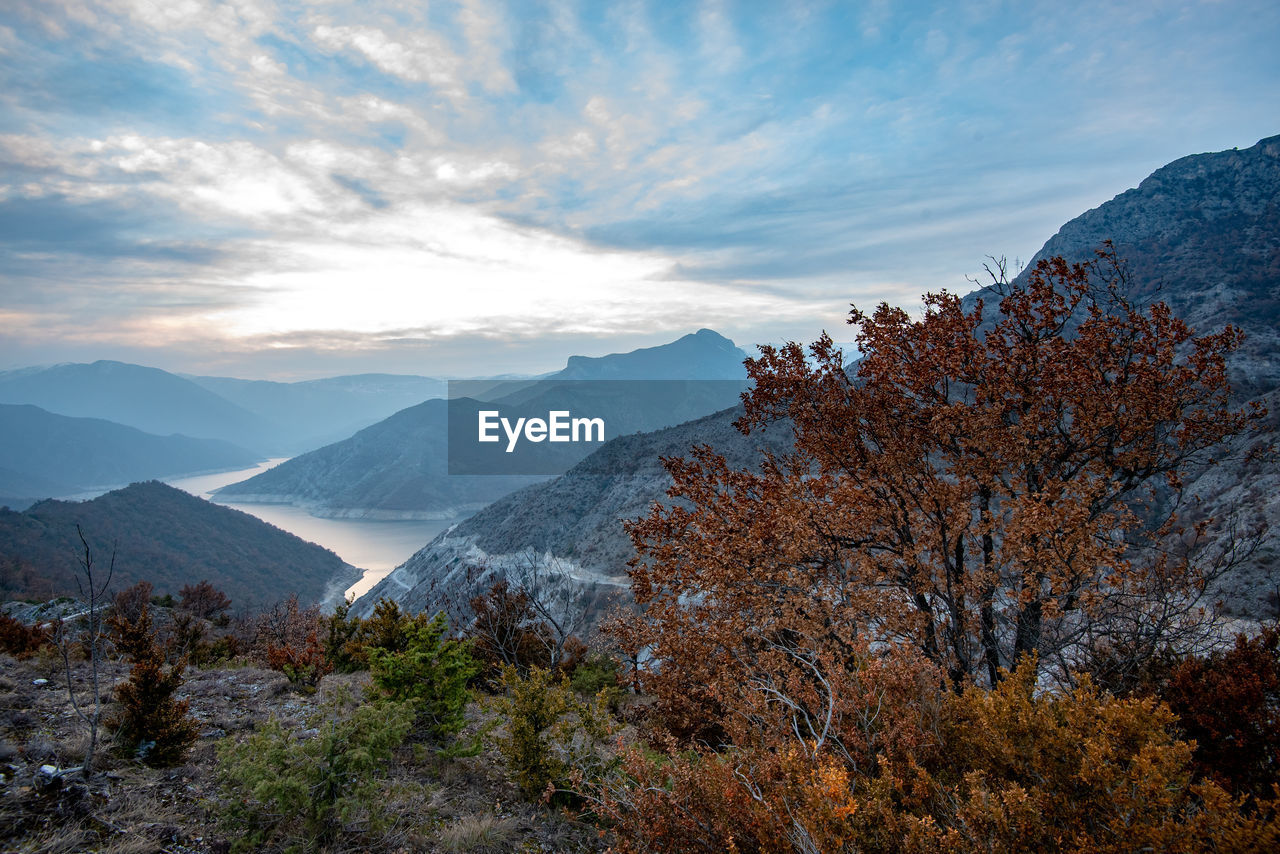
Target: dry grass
478 833
69 838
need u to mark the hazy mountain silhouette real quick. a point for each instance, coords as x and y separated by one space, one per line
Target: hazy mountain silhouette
45 455
311 413
398 468
149 399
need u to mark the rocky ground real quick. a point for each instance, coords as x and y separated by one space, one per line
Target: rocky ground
453 805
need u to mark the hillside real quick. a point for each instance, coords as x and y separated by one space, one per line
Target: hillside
1202 233
399 467
396 469
44 455
168 537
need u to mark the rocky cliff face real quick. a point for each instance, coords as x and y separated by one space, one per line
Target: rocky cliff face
1202 234
572 523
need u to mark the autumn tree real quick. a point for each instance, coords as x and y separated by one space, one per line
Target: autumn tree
203 600
982 485
844 644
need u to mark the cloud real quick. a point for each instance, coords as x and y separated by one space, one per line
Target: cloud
383 173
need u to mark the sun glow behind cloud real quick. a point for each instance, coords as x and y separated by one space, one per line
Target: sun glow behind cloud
201 178
441 271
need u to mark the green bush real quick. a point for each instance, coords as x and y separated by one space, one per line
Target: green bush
431 671
599 673
278 785
553 740
342 643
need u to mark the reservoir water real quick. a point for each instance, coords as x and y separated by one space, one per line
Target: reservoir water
377 547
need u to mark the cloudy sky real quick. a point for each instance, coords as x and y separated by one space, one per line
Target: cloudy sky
289 190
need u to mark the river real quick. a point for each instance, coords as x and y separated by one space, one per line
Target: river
377 547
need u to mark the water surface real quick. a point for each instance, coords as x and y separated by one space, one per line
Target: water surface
377 547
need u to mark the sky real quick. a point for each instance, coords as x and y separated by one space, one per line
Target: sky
293 190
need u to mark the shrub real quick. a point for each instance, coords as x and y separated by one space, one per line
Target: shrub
507 632
203 600
151 725
1003 770
431 671
348 639
552 742
512 627
18 639
287 638
1229 704
343 646
599 673
278 785
386 628
304 664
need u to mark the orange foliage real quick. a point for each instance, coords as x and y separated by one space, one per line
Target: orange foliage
830 637
973 489
999 770
18 639
287 638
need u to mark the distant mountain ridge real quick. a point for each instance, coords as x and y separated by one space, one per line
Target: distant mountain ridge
398 468
170 538
269 418
148 399
1202 233
43 455
311 413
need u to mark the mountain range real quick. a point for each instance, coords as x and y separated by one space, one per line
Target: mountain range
268 418
43 455
1202 234
310 413
399 467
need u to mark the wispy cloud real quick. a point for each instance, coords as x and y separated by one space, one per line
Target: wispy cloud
211 179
